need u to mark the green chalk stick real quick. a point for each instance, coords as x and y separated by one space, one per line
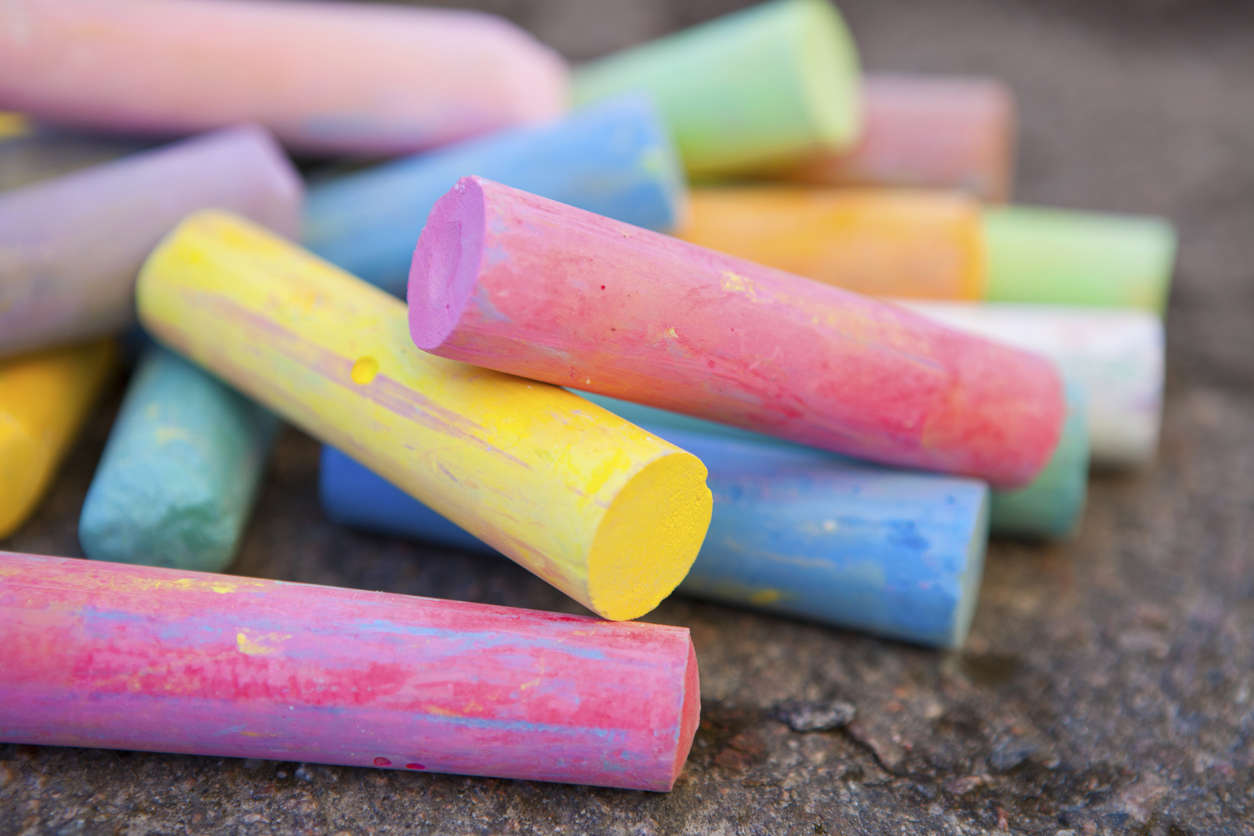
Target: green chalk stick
1052 505
748 89
1078 258
178 477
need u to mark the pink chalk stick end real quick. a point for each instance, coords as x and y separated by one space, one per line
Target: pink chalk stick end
446 264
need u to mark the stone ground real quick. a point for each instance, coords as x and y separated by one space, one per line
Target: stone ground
1108 685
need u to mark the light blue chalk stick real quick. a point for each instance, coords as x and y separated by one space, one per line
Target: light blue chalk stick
889 552
616 160
179 474
1051 507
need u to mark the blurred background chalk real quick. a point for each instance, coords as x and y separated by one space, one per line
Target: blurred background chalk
881 242
1067 257
332 354
135 657
755 87
74 244
614 159
1115 356
924 131
889 552
324 77
44 399
176 483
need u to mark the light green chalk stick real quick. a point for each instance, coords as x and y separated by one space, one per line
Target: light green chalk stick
745 90
180 472
1078 258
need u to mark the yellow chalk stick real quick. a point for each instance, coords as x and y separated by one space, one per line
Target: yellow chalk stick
608 513
44 399
885 243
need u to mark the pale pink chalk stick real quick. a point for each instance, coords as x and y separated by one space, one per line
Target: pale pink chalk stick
946 132
324 77
507 280
120 656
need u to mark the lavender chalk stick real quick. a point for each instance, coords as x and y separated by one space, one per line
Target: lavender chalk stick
73 246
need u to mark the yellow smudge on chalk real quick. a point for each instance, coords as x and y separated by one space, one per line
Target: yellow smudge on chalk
167 434
254 647
765 596
670 332
223 588
736 283
364 370
442 712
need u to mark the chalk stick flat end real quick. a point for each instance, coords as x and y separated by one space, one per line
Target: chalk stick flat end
446 264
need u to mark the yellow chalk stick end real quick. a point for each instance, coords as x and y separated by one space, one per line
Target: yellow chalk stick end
649 537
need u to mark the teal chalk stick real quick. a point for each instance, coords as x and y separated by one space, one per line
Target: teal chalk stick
1051 507
180 471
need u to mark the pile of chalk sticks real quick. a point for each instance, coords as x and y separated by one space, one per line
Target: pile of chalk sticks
811 383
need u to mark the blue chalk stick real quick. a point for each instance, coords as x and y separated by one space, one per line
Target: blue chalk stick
616 160
890 552
179 474
1050 507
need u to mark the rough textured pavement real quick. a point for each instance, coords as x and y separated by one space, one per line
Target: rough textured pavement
1108 685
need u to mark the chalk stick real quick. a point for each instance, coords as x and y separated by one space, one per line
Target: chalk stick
44 399
875 241
1051 506
1116 356
119 656
759 86
73 245
43 154
177 479
1078 258
794 531
511 281
922 131
324 77
615 160
604 511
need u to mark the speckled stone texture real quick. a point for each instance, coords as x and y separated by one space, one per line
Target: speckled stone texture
1108 685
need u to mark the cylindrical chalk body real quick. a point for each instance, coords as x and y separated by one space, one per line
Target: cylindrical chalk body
754 87
883 243
1116 356
134 657
44 399
511 281
606 512
178 477
615 160
1078 258
325 77
921 131
72 246
794 531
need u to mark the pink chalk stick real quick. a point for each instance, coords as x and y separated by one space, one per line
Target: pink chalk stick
514 282
324 77
72 246
927 131
134 657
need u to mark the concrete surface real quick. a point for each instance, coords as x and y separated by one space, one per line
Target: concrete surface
1108 685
